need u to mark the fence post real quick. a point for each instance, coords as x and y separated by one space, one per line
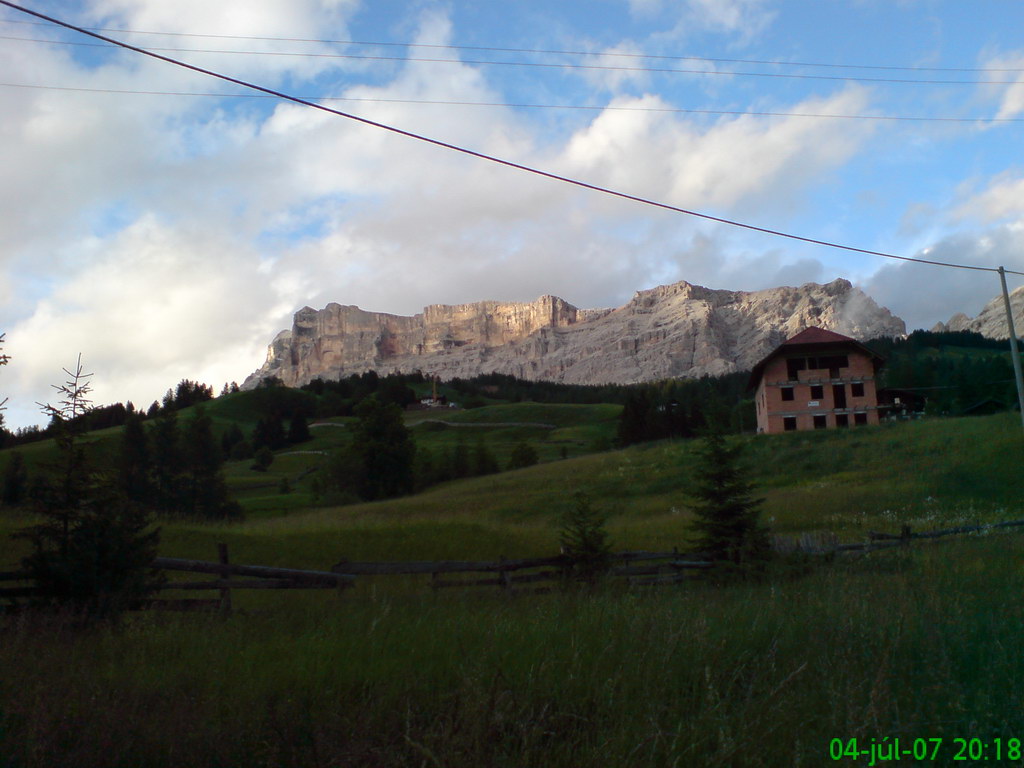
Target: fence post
225 575
905 535
506 581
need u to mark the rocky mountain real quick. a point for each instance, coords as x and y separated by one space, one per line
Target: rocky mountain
991 321
679 330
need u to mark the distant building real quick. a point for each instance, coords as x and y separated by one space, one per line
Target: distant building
816 380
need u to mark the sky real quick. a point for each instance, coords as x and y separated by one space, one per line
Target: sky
166 225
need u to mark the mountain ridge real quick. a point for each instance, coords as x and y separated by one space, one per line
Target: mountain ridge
680 330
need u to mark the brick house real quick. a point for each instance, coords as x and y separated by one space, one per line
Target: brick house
816 380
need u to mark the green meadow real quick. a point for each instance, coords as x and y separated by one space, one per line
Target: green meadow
922 642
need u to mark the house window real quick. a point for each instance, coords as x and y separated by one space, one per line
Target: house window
787 393
842 420
789 423
857 389
820 422
839 395
793 366
817 392
860 419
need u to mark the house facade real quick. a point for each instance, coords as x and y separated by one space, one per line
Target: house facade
818 379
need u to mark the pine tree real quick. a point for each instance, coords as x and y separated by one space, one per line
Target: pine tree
726 512
385 448
460 460
205 490
15 480
93 547
134 464
484 462
298 430
168 462
584 540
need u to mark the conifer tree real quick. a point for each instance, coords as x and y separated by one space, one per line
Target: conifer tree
93 547
205 490
134 464
298 429
727 514
385 448
168 462
14 481
484 462
584 540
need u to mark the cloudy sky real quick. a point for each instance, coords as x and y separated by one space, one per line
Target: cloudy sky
166 225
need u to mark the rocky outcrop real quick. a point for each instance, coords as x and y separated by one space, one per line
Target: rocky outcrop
671 331
991 322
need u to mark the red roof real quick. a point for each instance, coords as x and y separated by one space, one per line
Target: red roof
815 335
807 337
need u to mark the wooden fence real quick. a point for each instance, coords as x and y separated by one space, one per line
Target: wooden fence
828 543
511 575
260 577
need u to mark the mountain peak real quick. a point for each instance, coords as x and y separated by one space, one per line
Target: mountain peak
680 330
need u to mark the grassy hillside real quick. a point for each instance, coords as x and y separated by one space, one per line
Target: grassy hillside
926 474
912 644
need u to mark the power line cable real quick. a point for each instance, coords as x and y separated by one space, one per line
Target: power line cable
536 64
494 159
590 107
546 51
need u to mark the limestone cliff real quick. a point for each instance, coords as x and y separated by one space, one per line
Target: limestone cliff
679 330
991 321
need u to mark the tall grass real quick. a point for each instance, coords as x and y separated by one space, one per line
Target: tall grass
918 644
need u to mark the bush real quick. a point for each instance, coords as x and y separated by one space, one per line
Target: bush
523 455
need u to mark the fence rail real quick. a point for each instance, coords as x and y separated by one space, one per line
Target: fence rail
642 568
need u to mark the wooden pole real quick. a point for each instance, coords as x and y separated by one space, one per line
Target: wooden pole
225 591
1014 348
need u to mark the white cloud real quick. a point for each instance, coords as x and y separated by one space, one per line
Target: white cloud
747 17
229 19
1011 95
168 238
155 305
1003 198
736 160
924 295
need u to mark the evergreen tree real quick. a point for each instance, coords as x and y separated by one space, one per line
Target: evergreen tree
242 450
134 464
298 430
424 469
460 460
262 460
633 421
484 462
93 547
15 480
385 448
231 437
205 490
726 512
269 432
168 462
584 540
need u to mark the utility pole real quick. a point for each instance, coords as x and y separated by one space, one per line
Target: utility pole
1014 349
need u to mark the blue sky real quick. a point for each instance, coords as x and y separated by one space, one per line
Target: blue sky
166 236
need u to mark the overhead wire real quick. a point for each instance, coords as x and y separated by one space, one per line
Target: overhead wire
494 159
514 105
546 51
538 64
